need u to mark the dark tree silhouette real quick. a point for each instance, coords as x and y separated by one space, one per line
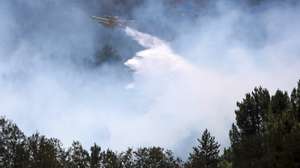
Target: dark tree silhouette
96 157
206 154
266 134
12 145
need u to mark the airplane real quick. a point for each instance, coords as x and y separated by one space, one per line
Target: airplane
110 21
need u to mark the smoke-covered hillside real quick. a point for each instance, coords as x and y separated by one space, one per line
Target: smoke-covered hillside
177 69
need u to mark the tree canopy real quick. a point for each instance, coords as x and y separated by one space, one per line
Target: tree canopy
266 134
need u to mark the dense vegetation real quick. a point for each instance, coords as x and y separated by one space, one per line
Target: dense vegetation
266 134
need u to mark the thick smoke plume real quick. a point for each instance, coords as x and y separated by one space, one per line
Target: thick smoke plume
184 80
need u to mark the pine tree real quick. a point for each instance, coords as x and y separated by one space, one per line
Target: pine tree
44 152
127 159
110 159
295 99
251 117
13 153
279 125
268 132
206 154
294 137
95 160
235 139
252 111
283 133
155 157
226 158
77 156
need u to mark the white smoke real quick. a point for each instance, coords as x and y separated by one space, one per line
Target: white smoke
179 88
177 102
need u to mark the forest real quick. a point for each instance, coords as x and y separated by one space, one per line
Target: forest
69 56
266 134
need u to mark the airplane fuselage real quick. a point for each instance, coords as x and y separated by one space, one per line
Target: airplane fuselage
109 21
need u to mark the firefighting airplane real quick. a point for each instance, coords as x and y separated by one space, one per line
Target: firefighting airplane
111 21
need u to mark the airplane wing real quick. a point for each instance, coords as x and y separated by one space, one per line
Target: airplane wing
110 21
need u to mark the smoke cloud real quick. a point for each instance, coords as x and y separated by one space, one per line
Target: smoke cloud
188 72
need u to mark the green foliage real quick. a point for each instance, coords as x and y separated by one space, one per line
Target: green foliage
268 130
155 157
226 158
252 111
77 156
250 116
225 164
96 156
12 145
266 135
206 154
127 160
110 159
295 100
44 152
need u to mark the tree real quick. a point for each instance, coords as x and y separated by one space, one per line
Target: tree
282 132
44 152
266 135
226 158
235 139
206 154
95 159
248 139
252 111
267 132
13 153
127 160
294 138
155 157
295 100
77 156
110 159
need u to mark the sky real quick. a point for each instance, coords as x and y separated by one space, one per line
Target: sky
186 73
